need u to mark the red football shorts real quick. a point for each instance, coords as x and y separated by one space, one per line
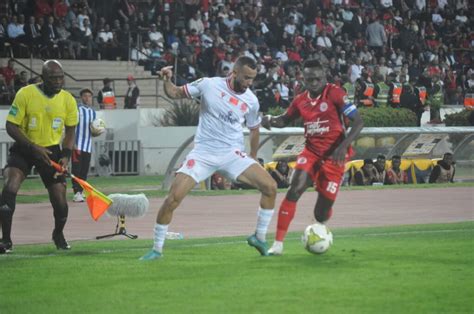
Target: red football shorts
326 174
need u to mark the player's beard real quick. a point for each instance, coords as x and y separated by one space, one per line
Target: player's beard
238 87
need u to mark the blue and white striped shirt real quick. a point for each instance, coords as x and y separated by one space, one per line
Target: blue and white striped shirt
83 131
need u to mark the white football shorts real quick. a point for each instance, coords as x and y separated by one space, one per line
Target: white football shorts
201 165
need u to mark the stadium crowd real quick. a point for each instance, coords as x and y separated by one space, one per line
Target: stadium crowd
371 47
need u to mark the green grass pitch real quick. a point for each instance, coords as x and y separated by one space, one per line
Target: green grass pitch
405 269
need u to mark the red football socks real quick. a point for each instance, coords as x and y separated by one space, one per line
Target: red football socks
285 216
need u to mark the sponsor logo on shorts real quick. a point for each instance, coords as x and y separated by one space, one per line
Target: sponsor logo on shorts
323 107
190 163
302 160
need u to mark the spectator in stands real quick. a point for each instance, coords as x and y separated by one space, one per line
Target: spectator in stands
376 37
394 174
355 70
60 9
4 92
87 38
324 41
50 38
107 44
9 74
127 11
155 36
15 31
132 97
444 171
106 96
379 166
281 174
195 22
21 81
32 35
3 35
231 22
186 72
366 175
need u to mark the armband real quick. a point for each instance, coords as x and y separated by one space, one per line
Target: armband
66 152
349 110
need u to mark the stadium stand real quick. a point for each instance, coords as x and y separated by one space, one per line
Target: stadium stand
417 40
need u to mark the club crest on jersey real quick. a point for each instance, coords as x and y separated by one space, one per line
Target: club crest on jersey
190 163
301 160
243 107
323 106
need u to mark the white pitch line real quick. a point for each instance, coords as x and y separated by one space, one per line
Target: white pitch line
205 244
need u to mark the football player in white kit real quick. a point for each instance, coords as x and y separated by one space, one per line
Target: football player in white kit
226 103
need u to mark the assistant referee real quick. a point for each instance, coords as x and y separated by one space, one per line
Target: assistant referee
36 121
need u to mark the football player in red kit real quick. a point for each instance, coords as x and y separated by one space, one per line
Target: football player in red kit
325 109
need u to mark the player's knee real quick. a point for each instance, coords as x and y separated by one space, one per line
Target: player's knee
322 215
172 201
295 192
269 188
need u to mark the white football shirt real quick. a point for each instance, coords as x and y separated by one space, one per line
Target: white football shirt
222 114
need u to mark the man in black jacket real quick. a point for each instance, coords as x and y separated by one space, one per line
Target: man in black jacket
132 98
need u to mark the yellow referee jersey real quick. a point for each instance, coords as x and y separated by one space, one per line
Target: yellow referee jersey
42 118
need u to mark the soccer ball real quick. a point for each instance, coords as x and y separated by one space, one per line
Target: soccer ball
317 238
97 127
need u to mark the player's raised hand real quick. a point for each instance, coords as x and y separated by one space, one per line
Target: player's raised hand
166 72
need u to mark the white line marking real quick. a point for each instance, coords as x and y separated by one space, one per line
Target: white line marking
205 244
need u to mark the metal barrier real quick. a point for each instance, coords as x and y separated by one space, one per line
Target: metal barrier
116 157
108 157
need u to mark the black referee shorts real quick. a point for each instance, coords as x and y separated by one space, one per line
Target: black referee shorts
24 160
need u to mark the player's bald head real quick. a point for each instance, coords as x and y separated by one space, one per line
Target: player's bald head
53 77
50 66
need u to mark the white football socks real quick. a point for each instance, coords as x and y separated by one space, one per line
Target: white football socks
264 216
159 237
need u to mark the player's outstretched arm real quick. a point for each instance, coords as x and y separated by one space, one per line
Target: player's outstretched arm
171 90
339 153
269 121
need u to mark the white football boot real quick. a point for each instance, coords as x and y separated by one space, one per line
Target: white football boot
78 198
276 249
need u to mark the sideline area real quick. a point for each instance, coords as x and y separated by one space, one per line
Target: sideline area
234 215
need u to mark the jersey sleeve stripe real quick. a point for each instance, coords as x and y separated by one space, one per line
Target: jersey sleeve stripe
185 88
